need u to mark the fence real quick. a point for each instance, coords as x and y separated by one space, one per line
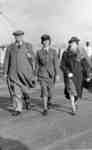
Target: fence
2 58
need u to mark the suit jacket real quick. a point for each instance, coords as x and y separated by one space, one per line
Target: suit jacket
46 64
19 63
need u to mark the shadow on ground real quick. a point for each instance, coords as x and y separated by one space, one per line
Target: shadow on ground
4 102
8 144
36 102
37 105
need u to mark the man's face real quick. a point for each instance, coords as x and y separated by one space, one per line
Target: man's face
74 46
19 38
46 43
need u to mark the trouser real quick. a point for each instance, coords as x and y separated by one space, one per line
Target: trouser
18 95
17 99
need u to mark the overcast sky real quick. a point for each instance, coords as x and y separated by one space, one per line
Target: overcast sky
60 18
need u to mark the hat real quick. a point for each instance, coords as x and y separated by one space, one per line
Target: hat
18 33
45 37
74 39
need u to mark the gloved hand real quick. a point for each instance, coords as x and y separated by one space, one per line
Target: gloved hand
70 75
88 79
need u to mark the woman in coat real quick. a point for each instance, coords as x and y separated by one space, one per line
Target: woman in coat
72 71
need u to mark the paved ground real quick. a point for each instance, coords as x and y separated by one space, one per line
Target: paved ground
57 131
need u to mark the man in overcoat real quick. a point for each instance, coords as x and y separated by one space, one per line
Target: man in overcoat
18 68
73 72
46 70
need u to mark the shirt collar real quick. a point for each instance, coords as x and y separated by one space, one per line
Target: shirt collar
46 49
19 43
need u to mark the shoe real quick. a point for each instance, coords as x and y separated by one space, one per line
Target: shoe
45 112
49 104
10 108
28 106
16 113
73 113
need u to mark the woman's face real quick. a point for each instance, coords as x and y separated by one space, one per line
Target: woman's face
46 43
74 46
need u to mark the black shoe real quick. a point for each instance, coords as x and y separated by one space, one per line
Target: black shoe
16 113
49 105
28 106
45 112
73 113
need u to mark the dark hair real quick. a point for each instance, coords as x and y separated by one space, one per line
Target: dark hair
45 37
69 47
87 43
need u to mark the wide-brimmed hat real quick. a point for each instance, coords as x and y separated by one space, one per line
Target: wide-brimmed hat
74 39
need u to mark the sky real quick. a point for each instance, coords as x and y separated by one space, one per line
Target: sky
60 18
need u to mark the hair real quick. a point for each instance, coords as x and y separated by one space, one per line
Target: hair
46 40
45 37
87 43
69 47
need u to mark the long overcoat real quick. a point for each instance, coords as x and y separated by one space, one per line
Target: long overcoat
19 62
71 63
